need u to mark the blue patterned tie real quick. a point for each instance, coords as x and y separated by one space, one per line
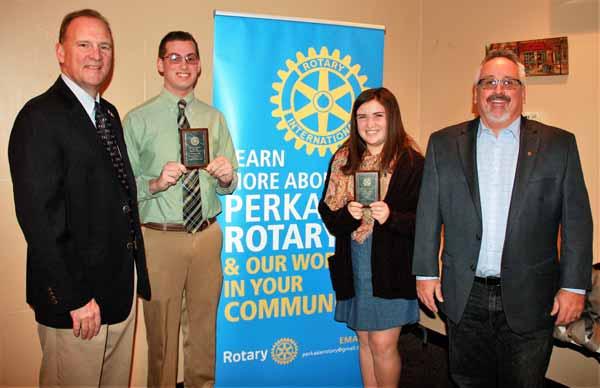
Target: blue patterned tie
192 200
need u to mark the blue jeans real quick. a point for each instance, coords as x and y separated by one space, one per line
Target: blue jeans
485 352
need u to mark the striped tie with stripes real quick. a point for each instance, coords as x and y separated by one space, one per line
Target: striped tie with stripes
192 200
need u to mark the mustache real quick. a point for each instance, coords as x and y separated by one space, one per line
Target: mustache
498 97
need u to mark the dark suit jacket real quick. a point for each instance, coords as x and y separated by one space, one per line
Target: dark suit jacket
392 242
73 211
549 191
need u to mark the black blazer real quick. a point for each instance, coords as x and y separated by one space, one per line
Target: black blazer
549 191
73 211
392 242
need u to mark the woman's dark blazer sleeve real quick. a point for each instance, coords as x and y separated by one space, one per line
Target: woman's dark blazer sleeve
403 196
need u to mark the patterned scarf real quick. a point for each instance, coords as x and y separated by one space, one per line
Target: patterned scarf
341 189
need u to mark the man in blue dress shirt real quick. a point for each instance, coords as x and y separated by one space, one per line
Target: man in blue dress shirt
506 190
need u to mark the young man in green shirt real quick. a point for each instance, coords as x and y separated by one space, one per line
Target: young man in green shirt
183 250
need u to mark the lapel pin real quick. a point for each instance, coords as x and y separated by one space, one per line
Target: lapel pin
529 153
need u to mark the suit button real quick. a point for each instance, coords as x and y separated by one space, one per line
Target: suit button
478 236
126 209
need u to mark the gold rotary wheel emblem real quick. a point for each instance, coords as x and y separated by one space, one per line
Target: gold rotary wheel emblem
284 351
314 99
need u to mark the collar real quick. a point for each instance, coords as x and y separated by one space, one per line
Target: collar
83 97
513 128
171 100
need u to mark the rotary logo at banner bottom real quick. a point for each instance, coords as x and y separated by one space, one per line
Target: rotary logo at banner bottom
314 99
284 351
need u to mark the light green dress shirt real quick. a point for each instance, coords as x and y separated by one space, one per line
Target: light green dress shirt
152 138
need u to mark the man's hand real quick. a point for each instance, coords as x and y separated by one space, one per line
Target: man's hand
380 211
170 174
221 169
568 305
355 209
86 320
428 291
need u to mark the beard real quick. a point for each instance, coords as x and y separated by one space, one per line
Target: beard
487 111
494 118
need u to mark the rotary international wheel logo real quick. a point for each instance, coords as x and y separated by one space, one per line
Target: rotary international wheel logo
284 351
314 99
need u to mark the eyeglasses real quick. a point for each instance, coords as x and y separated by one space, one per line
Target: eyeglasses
491 83
176 59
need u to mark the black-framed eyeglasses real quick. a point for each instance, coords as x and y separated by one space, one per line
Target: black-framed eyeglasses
491 83
176 59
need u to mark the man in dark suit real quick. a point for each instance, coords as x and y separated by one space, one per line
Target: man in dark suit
503 188
75 200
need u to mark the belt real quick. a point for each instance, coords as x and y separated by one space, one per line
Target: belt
177 227
489 281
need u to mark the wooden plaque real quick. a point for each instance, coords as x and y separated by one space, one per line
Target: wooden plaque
194 147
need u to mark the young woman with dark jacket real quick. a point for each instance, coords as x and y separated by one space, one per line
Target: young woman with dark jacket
370 270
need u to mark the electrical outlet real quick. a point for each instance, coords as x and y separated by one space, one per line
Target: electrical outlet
533 115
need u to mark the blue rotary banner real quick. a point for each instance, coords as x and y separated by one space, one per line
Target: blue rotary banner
286 88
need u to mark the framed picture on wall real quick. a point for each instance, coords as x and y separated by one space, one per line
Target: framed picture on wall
540 56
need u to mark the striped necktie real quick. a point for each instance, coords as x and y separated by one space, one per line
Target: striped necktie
192 200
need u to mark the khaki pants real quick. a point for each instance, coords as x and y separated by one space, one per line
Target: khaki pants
103 361
182 264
